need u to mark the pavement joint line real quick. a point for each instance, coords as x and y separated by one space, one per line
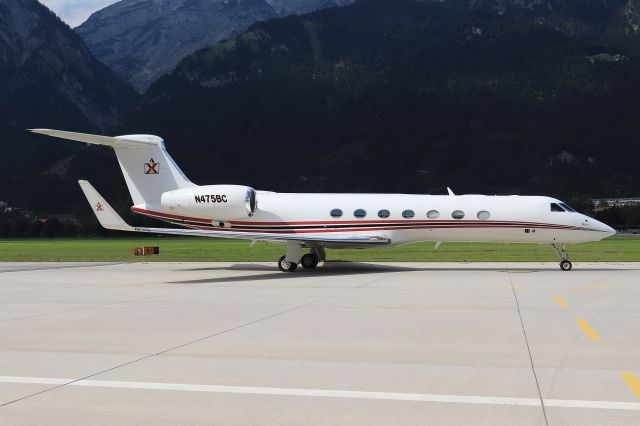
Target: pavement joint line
593 335
326 393
83 308
526 340
60 384
560 301
633 382
86 307
52 267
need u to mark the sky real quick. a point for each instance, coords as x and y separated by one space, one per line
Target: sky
75 12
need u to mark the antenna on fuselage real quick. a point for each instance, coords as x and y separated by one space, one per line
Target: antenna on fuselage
450 191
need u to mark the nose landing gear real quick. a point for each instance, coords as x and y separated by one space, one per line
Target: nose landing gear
565 263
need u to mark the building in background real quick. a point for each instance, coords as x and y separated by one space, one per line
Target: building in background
601 204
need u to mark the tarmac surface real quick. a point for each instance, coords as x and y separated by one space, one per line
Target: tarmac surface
361 344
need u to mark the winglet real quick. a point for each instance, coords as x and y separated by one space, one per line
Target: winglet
450 191
104 212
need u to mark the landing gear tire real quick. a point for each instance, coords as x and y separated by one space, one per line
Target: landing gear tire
309 261
285 266
565 265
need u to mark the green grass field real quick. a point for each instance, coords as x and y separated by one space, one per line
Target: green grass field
616 249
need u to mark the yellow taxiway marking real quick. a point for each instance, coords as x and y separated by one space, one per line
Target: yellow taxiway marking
588 330
560 301
633 382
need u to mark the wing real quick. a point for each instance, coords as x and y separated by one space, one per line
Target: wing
110 219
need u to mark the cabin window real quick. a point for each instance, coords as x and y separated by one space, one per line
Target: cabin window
408 214
556 208
433 214
458 214
384 213
567 208
484 215
360 213
336 213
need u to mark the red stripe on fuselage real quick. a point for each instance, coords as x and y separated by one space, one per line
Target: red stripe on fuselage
350 230
506 224
168 216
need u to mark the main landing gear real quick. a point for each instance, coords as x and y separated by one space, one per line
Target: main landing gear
309 261
289 262
286 266
565 263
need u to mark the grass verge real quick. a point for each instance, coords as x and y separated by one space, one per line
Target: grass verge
615 249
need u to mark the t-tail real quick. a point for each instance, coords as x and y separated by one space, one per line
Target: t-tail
148 169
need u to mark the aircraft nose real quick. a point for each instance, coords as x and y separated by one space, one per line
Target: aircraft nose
606 228
599 226
610 230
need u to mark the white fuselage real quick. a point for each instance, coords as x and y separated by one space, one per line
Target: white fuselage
511 219
161 190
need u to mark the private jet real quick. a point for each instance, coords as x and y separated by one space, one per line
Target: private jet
315 222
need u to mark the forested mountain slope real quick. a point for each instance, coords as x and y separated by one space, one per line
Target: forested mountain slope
402 96
48 78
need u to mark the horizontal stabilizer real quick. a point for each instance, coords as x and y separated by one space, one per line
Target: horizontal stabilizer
104 212
114 142
147 167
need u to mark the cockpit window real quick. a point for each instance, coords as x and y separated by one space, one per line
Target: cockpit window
555 207
567 207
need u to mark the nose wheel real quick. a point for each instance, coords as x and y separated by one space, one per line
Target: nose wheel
565 263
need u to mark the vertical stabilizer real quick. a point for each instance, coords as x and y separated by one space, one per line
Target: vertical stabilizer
148 169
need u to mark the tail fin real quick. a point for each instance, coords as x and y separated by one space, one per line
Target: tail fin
147 167
107 216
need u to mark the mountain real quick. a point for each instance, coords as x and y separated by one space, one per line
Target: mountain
395 95
584 8
47 78
299 7
622 24
143 39
611 20
46 67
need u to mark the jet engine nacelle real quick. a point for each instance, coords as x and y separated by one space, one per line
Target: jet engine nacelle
215 202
